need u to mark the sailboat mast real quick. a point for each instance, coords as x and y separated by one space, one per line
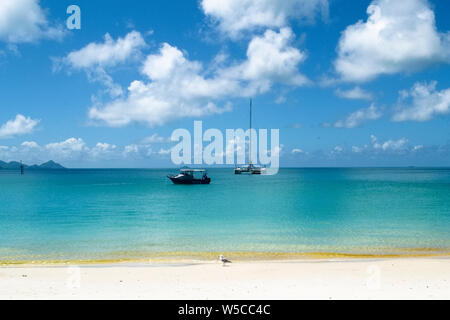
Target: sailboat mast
250 149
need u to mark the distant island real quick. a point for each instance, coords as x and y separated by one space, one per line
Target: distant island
14 165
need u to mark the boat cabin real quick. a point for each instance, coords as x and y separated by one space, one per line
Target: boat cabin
191 176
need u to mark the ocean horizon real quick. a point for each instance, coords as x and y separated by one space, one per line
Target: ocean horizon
234 166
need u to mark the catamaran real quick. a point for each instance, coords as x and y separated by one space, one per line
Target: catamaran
250 168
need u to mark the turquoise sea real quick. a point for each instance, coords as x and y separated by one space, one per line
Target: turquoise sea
138 214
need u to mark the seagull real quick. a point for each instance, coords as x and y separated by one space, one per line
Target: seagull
224 260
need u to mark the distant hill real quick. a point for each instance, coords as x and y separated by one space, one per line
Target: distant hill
50 165
14 165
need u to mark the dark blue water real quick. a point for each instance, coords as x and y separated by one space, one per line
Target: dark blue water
112 214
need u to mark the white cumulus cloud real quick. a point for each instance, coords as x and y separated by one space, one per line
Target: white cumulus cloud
358 117
235 16
398 36
356 149
25 21
95 58
164 152
30 145
177 87
422 103
133 148
337 150
271 59
19 126
155 138
355 94
67 149
102 149
76 151
390 145
106 54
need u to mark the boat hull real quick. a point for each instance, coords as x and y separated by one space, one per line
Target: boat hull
249 170
189 181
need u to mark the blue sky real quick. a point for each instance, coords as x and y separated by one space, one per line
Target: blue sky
348 83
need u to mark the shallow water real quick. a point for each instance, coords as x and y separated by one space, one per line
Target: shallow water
137 214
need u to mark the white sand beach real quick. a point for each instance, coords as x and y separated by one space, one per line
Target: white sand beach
406 278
